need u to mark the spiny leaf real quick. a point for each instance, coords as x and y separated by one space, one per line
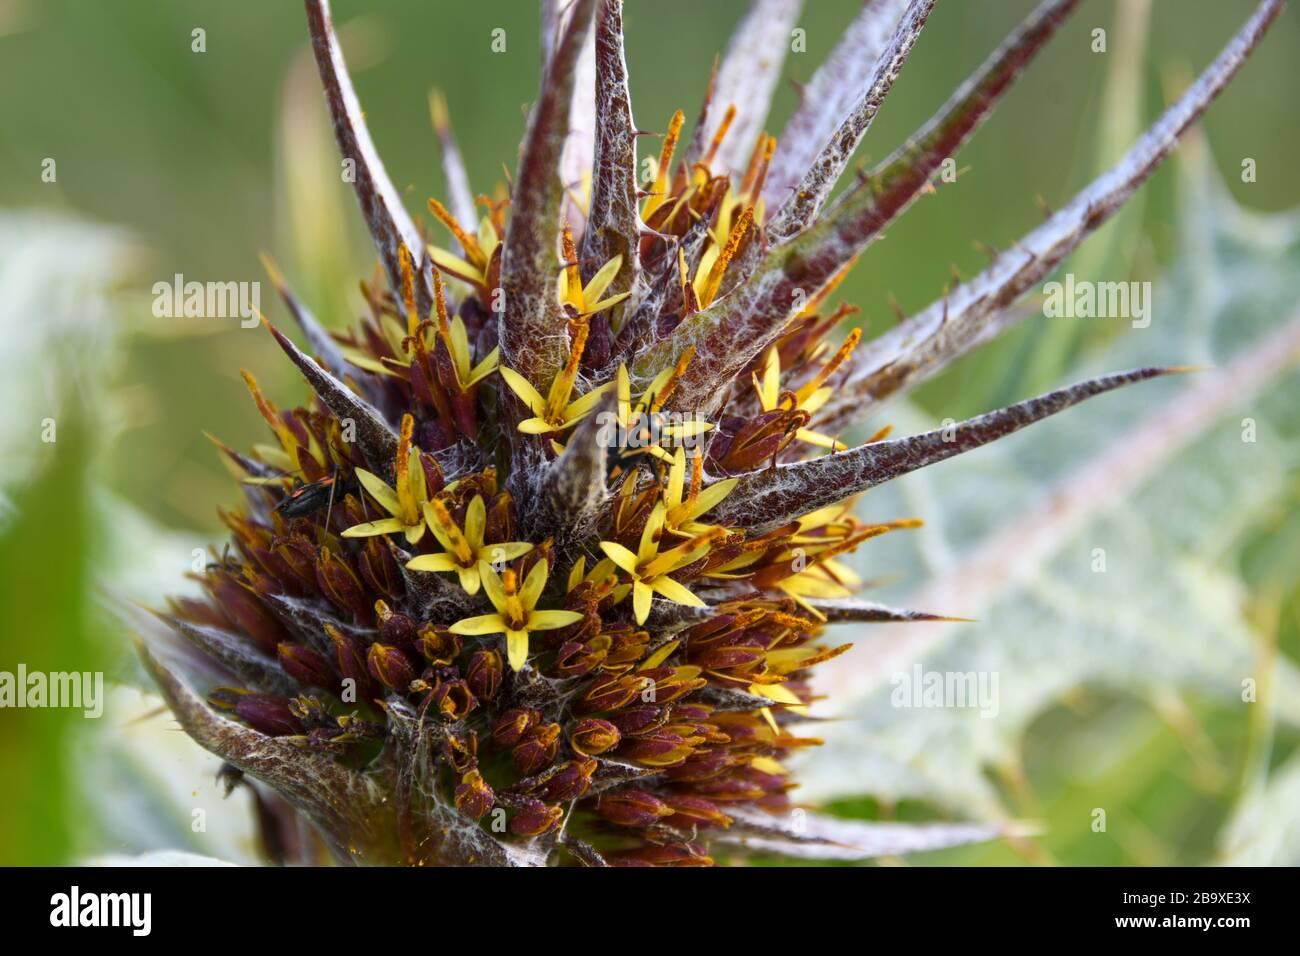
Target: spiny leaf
531 325
308 620
377 441
851 610
326 349
1171 499
764 500
823 172
613 224
237 653
746 80
813 836
381 203
977 311
727 336
572 489
344 805
829 96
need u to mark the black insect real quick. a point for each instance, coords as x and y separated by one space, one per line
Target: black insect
308 498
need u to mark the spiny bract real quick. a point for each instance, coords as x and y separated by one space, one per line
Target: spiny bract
540 574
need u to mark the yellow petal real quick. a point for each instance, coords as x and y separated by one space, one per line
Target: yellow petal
659 656
706 266
550 620
369 364
688 429
371 528
805 585
675 591
676 479
654 524
770 390
711 496
495 554
470 579
641 598
820 440
516 649
524 389
776 692
456 266
536 426
601 571
460 349
436 526
380 491
576 572
492 586
416 480
483 624
604 304
581 406
601 280
817 399
624 384
533 584
620 555
487 236
432 562
475 522
483 369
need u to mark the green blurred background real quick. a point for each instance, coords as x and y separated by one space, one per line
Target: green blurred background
199 161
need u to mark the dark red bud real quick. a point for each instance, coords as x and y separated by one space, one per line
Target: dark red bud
433 479
395 628
636 720
378 567
246 611
574 658
659 749
537 749
611 693
339 583
632 808
591 736
484 674
662 854
305 665
698 810
473 797
533 818
512 725
390 667
350 660
262 712
571 782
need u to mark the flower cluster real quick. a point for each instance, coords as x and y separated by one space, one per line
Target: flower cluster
462 618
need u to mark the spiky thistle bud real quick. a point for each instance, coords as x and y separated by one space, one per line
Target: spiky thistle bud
559 536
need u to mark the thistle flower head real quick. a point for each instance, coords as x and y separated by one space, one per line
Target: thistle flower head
541 572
